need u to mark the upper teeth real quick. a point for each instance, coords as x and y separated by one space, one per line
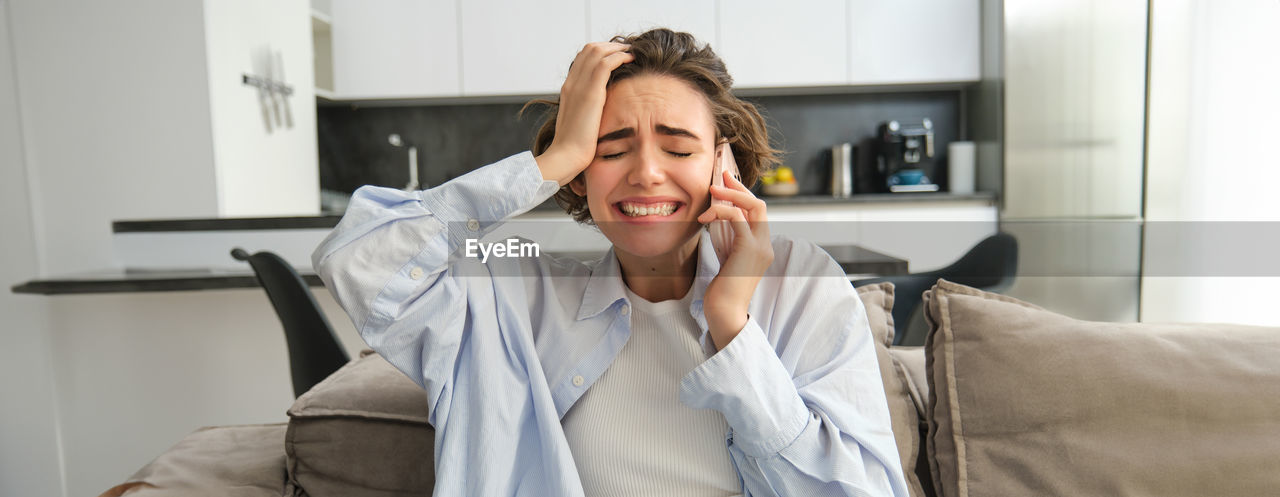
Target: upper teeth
660 209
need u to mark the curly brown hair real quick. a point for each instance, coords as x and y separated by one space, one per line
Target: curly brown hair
666 52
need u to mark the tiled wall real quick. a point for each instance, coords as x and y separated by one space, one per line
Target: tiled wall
454 139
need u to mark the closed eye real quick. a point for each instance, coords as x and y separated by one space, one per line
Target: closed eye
619 154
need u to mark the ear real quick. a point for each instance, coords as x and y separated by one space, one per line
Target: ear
579 184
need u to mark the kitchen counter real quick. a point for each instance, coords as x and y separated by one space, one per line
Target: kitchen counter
331 220
167 255
853 259
872 198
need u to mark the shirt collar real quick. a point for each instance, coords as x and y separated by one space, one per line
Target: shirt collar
605 285
603 288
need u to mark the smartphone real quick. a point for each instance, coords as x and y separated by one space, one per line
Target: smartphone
721 231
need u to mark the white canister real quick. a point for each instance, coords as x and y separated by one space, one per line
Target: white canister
961 158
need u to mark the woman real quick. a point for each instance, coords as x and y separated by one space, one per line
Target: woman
655 371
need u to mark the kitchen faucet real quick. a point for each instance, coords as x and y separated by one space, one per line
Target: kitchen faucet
396 141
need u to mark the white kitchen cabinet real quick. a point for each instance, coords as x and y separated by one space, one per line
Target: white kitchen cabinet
607 18
519 48
263 143
775 44
1075 85
913 41
395 49
439 48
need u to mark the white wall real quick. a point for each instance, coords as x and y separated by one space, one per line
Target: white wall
116 118
29 449
114 125
137 372
261 170
1211 160
105 114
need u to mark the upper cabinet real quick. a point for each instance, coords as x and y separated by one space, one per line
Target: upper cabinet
771 44
913 41
395 48
400 49
262 113
519 47
607 18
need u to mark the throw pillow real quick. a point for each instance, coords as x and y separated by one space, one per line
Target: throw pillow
878 300
1024 401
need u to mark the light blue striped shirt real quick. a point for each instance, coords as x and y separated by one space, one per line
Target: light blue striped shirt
504 348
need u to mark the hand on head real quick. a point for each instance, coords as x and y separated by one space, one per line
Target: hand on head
582 100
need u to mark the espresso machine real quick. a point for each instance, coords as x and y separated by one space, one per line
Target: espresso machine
904 156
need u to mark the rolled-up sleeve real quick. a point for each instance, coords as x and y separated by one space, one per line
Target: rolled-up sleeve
387 262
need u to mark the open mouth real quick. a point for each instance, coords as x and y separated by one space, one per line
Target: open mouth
648 210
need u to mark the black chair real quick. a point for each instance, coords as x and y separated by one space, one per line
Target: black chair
314 349
990 265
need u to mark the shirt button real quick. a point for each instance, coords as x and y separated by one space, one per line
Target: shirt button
473 225
626 309
416 273
577 381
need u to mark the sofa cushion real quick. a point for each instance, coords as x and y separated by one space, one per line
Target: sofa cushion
878 300
1028 402
363 431
910 362
220 461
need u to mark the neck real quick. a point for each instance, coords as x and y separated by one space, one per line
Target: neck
660 277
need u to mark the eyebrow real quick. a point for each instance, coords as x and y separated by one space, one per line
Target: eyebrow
661 129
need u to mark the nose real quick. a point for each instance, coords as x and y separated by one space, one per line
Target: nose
647 168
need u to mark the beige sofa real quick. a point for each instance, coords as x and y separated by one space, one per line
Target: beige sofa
1004 399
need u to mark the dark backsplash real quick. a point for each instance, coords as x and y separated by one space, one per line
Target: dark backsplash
455 139
451 140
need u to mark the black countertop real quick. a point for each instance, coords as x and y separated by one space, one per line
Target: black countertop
121 281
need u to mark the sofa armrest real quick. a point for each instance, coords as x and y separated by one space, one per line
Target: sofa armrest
237 461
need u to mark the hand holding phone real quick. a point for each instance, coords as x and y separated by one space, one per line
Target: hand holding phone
743 229
721 231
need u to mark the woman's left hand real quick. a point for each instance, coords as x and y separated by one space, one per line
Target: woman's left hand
729 294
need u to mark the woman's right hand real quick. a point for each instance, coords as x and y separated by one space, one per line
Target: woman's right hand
581 106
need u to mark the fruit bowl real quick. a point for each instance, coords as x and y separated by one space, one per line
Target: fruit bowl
779 183
780 189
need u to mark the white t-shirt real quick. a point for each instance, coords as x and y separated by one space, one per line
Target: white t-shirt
629 433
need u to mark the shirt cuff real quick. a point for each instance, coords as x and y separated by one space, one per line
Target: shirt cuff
473 204
747 383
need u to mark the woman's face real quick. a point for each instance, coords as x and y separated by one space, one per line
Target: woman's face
649 180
